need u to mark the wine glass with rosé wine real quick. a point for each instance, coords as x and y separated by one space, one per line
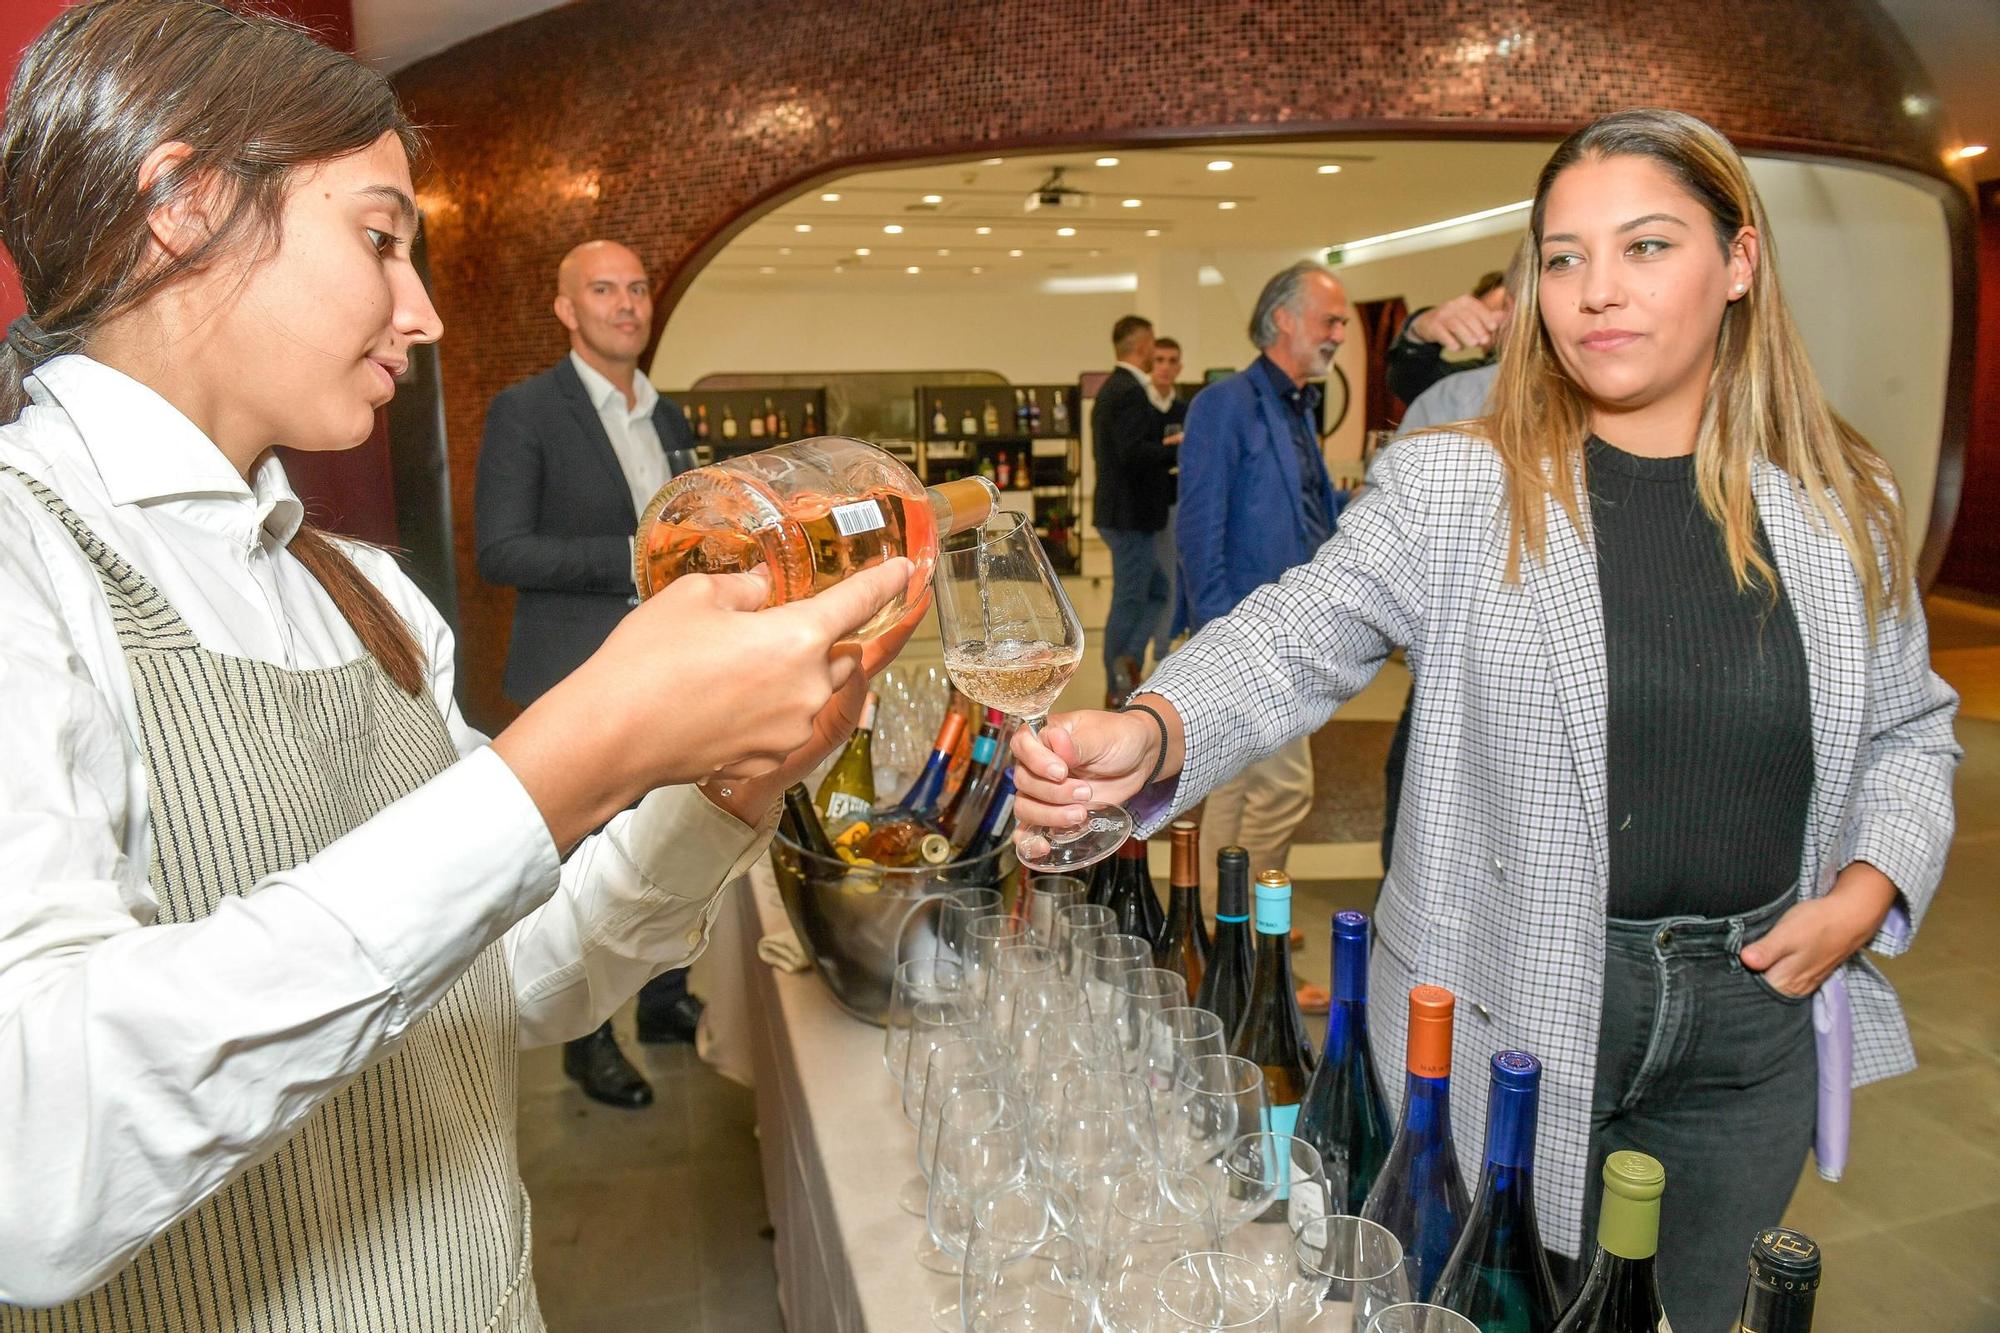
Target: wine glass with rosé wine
1011 642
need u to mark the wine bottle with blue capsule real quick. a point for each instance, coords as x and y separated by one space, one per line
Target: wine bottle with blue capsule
1419 1196
1498 1276
1272 1035
1344 1115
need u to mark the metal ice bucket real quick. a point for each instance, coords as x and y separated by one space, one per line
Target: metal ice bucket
857 922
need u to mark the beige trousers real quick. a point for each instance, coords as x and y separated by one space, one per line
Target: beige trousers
1258 810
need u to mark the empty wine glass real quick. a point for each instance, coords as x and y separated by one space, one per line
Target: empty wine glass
1014 967
982 1145
1108 960
1358 1265
932 1023
1273 1188
1061 1053
985 937
1214 1099
968 1062
1046 897
1154 1217
1103 1131
1212 1292
1011 642
1042 1006
1417 1317
928 978
1075 928
1144 994
1024 1267
963 907
1192 1032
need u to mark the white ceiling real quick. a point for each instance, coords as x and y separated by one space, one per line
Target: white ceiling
1958 42
1281 202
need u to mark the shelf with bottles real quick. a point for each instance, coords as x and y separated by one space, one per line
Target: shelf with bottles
996 412
742 421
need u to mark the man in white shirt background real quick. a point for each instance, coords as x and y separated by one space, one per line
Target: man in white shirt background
568 460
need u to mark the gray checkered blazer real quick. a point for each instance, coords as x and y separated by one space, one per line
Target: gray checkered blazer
1499 882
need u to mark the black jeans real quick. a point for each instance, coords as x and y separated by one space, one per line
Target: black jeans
1702 1064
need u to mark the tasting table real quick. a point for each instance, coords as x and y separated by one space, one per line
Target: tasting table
834 1145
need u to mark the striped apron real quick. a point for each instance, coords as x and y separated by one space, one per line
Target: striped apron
397 1205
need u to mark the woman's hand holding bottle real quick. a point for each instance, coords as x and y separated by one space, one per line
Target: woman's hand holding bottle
702 680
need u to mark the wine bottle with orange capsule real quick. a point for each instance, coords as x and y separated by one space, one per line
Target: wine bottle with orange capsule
1420 1196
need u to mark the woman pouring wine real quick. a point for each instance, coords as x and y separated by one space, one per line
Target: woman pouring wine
273 919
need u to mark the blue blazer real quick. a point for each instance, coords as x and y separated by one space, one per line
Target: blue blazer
1242 519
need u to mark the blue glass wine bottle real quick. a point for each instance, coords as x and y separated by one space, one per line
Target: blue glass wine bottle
1498 1276
1343 1114
1419 1196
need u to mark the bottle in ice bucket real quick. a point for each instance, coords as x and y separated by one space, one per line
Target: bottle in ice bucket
811 512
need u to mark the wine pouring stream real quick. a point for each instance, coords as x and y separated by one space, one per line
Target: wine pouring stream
1012 641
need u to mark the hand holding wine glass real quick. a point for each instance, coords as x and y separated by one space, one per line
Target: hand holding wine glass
1092 755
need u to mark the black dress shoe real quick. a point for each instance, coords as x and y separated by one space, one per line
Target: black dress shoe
673 1021
605 1074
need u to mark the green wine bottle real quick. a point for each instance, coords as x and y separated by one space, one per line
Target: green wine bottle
1621 1293
847 792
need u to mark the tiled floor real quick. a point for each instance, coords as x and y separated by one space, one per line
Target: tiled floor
653 1220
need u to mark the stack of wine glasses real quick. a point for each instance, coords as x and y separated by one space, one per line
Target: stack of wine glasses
1087 1155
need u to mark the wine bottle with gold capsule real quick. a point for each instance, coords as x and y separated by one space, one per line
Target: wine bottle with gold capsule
1184 946
810 513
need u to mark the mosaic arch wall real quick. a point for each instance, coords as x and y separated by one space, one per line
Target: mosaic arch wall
671 123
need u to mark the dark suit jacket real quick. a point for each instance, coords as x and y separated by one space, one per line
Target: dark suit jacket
555 521
1135 482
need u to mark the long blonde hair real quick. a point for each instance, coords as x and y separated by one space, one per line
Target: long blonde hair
1763 401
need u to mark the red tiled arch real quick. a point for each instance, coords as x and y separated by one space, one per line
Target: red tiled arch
670 125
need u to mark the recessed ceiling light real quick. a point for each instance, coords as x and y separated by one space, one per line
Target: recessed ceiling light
982 231
1013 254
802 226
1152 231
1221 164
1107 161
892 230
1226 205
1129 203
840 268
944 252
767 269
1329 169
933 198
784 249
829 198
991 162
913 269
1095 253
977 269
863 251
1970 150
1065 231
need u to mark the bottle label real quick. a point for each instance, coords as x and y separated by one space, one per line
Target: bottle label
1281 1120
851 520
845 805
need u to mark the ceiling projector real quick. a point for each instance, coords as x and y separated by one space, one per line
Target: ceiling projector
1053 193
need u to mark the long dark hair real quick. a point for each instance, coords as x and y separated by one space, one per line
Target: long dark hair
255 99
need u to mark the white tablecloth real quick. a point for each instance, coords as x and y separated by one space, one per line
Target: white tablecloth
835 1148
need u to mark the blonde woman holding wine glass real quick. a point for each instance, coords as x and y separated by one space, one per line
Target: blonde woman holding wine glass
276 919
1677 755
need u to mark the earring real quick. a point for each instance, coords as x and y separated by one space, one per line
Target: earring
1739 289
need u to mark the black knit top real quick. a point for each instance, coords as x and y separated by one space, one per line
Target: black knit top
1709 735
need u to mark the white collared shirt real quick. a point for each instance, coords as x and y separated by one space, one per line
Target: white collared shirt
1163 399
166 1060
633 436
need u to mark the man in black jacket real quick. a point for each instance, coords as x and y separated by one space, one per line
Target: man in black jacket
1135 491
568 460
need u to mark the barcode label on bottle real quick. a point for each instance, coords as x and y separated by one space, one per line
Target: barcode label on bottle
851 520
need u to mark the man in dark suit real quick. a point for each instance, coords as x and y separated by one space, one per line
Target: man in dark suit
568 460
1135 489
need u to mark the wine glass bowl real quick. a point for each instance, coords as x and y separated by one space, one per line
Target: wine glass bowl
1012 641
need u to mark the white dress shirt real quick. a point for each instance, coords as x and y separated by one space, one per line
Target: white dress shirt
633 436
149 1065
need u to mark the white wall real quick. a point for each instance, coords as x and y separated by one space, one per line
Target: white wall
1863 257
